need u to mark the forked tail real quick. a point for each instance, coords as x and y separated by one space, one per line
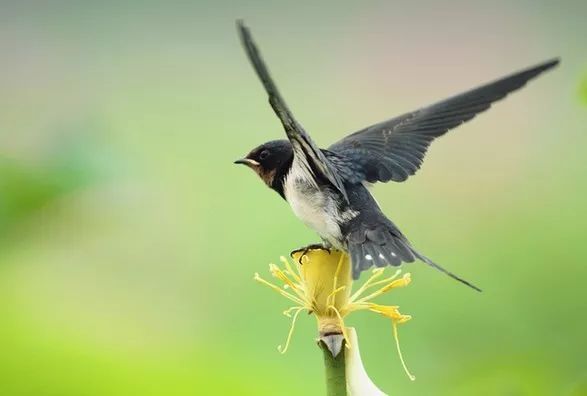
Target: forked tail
441 269
385 245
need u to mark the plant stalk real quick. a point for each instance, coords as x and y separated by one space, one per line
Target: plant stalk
334 370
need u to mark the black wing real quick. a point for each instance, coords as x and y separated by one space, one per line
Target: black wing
395 149
300 140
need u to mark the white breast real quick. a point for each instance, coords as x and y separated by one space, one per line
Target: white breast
311 204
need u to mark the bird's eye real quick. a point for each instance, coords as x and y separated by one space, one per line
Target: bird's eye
264 154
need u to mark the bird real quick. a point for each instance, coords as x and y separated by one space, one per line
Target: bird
328 189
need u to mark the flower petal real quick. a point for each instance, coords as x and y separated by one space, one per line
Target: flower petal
357 381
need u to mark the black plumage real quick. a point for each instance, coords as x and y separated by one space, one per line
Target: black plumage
326 188
394 149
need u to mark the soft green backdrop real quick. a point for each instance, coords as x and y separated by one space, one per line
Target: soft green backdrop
128 239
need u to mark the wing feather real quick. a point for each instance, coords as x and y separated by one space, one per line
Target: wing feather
395 149
302 143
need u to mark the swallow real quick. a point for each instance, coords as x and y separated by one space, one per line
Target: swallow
327 189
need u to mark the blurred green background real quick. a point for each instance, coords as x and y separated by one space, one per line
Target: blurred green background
128 239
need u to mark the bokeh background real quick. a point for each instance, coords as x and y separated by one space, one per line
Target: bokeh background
128 239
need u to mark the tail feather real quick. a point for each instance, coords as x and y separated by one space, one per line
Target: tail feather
374 254
391 256
441 269
356 262
397 256
405 251
384 246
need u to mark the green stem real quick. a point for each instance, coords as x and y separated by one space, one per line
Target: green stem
335 371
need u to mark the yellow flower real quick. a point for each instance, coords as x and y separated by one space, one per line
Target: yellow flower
322 285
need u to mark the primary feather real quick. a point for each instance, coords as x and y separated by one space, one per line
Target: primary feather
393 150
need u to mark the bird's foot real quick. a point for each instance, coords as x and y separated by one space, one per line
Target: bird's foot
305 250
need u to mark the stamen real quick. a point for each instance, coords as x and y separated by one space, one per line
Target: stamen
331 298
352 307
392 285
386 280
289 270
288 311
291 330
279 274
399 351
279 290
336 291
376 274
380 282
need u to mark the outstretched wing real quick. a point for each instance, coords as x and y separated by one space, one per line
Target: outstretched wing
395 149
300 140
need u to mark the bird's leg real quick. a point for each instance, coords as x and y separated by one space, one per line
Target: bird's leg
306 249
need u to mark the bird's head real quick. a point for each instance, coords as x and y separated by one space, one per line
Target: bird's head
269 160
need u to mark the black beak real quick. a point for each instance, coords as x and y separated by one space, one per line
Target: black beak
247 162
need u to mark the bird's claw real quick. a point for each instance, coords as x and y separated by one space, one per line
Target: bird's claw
305 250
